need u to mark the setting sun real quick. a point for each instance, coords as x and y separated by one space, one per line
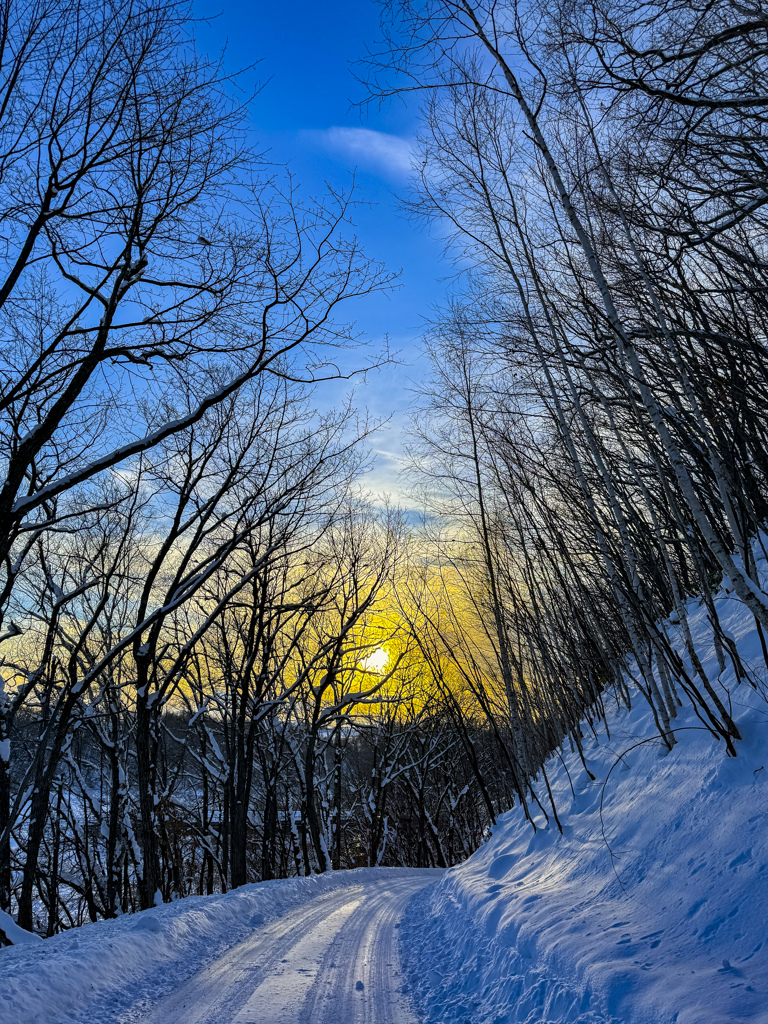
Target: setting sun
376 661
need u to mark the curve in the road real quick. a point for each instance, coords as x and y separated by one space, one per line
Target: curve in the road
333 961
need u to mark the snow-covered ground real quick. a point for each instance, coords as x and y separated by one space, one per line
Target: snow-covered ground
655 914
320 949
651 908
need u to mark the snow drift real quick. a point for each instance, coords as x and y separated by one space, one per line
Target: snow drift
649 909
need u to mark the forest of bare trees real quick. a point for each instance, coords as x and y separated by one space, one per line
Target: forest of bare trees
596 416
220 662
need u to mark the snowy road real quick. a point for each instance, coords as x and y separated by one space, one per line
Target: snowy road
333 961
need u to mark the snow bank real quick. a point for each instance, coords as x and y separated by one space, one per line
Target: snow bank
656 914
18 936
76 976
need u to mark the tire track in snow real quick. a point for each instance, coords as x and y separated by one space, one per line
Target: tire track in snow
365 953
305 967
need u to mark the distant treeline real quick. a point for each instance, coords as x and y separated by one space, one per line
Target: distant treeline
386 792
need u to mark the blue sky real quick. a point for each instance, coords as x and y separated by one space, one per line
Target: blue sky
305 119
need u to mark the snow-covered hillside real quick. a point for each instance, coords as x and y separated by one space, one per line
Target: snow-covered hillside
653 912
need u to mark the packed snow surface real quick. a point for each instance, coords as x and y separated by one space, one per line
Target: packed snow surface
653 912
319 950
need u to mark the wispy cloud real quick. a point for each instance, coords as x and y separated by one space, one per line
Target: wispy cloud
388 155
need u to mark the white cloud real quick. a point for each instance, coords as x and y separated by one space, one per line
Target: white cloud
389 155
